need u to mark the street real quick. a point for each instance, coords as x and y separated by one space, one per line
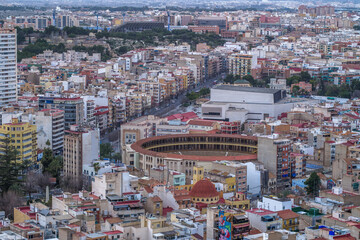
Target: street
163 110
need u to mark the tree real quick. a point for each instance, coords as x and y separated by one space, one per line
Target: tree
303 92
51 29
123 49
54 168
292 80
204 91
314 84
266 80
269 38
9 200
97 167
20 36
43 180
30 184
9 168
305 76
47 158
332 90
295 90
230 79
251 80
35 182
322 87
313 185
355 84
191 96
71 184
117 157
106 150
344 91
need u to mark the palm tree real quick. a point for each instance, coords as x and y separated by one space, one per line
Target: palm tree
96 167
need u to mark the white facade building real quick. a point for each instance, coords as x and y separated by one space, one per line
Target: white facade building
235 103
275 204
50 125
8 67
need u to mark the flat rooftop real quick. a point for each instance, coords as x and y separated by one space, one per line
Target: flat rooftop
246 89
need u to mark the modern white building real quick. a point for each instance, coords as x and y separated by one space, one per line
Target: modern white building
8 68
236 103
275 204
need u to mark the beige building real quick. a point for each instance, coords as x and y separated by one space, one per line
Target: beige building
136 130
81 147
345 166
115 183
354 151
240 64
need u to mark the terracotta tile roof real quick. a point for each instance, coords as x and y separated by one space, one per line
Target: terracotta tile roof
113 232
204 189
344 237
202 123
182 198
254 231
197 236
287 214
156 199
148 189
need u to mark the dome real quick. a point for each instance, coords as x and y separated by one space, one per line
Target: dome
203 189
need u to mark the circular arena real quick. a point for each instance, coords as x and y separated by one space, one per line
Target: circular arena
181 152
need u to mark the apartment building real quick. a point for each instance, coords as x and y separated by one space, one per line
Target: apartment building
115 183
240 64
23 138
73 108
81 147
50 127
8 67
274 153
219 220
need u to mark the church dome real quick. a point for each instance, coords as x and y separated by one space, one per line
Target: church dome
203 189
